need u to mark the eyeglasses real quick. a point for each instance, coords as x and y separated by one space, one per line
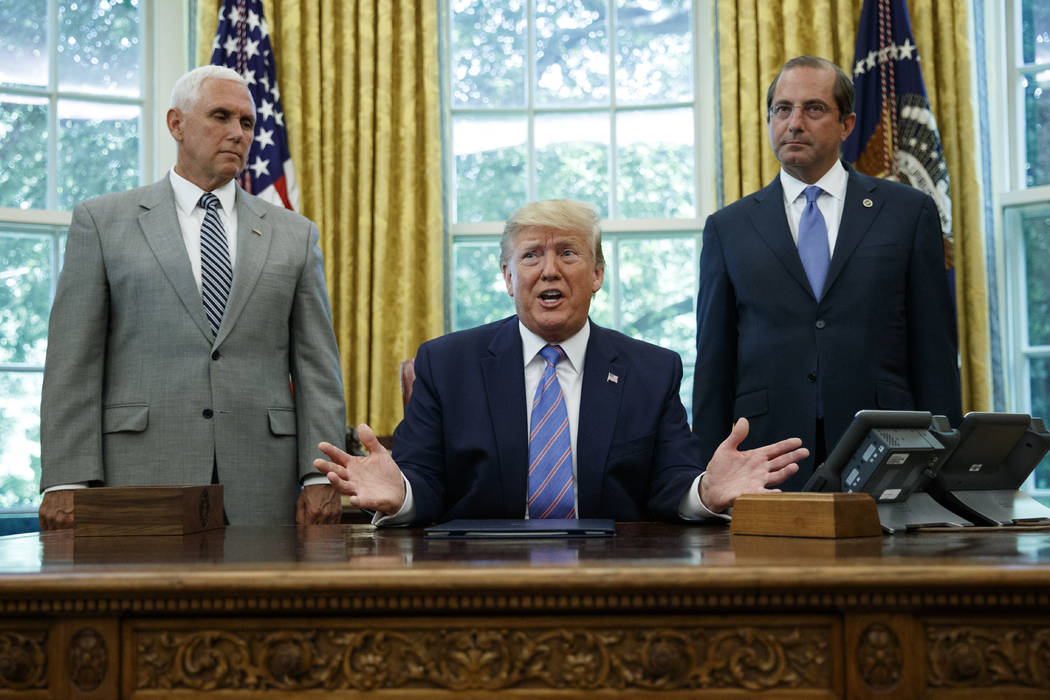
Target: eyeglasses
812 110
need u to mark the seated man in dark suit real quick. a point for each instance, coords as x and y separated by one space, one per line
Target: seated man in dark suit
545 414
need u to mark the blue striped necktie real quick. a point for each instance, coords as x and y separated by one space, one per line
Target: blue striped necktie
216 271
550 450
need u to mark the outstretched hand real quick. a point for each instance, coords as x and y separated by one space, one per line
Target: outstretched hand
373 482
732 472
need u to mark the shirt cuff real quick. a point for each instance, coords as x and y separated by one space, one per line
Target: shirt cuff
67 487
314 479
402 517
692 508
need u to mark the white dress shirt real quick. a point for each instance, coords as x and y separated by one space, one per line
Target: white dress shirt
191 216
829 202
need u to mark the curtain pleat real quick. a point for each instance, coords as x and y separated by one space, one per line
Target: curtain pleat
360 89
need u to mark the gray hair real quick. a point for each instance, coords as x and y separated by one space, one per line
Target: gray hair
556 214
187 89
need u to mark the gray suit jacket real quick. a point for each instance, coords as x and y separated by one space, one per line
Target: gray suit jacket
136 391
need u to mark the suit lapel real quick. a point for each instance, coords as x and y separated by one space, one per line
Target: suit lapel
770 221
600 396
502 370
253 245
160 226
859 209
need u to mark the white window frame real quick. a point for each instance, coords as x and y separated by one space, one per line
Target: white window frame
1004 68
163 29
705 149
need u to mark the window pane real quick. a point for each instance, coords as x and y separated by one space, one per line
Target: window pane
491 178
1035 230
25 297
658 282
98 150
1035 31
488 53
23 152
572 158
655 163
480 294
1039 370
23 42
1037 128
572 52
98 46
19 438
654 47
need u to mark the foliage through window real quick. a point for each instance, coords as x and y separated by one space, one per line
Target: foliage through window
1026 214
71 111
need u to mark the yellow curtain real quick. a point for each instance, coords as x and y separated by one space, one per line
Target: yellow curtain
757 36
361 97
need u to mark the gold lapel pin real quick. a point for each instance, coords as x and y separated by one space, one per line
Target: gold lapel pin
257 232
868 204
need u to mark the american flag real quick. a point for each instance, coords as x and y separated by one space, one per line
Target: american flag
242 42
896 134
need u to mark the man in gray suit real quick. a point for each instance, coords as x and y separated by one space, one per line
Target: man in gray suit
144 385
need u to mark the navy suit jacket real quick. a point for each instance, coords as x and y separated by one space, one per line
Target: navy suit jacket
463 444
882 336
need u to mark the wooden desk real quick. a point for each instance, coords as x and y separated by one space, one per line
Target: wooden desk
657 611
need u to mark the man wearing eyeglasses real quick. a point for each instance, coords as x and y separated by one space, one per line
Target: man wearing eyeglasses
823 293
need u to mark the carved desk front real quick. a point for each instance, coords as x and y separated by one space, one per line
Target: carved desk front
658 610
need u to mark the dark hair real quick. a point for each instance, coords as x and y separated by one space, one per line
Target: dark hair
842 90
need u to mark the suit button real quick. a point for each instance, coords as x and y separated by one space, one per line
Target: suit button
215 355
812 376
821 323
207 413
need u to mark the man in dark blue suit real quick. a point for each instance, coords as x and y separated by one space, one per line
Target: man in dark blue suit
466 447
825 292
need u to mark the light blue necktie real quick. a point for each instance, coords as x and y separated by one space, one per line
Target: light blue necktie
216 271
550 451
813 242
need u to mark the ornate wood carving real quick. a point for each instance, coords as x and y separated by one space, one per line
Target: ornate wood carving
880 659
400 602
484 658
23 660
88 659
987 656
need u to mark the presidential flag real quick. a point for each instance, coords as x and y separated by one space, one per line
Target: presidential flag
896 135
242 42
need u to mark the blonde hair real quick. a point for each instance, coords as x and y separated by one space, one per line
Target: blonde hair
556 214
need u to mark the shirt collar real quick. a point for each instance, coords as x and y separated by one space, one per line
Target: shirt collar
575 346
188 194
833 182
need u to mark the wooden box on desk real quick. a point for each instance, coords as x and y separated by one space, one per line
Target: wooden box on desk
147 510
828 515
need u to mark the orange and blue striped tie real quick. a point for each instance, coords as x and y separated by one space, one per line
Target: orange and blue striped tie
550 450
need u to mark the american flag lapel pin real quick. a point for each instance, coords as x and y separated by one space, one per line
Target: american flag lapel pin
612 378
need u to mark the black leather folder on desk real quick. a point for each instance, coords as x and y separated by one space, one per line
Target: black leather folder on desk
519 528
